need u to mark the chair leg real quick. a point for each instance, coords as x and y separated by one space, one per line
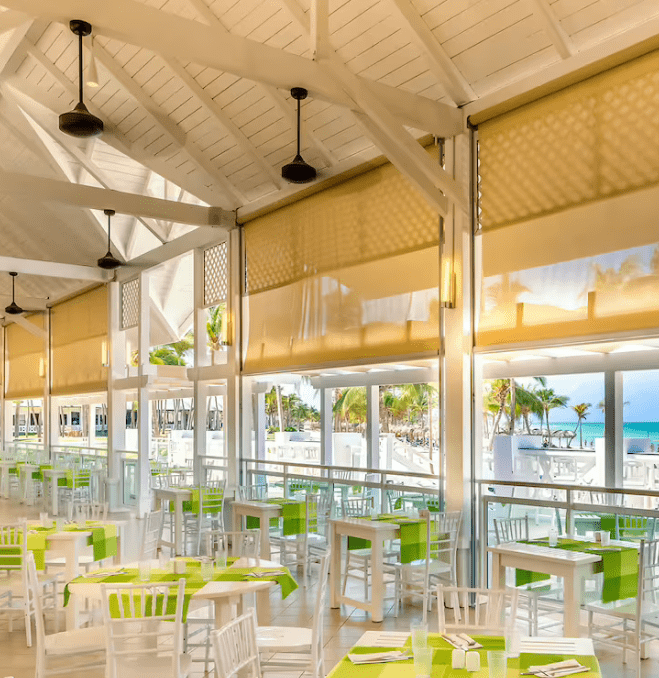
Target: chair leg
28 623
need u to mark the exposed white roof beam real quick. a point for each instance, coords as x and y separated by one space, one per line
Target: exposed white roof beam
165 321
113 137
215 111
386 376
53 269
585 59
319 30
27 325
555 31
440 63
33 303
125 203
170 129
187 40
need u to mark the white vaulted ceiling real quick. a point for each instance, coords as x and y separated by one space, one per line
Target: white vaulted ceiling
195 98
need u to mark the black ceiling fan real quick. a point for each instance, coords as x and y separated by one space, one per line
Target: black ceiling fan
13 308
80 122
298 171
108 261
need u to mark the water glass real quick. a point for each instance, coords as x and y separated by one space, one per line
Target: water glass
206 569
59 524
422 662
513 642
145 570
221 559
553 537
44 520
419 636
497 663
163 560
606 538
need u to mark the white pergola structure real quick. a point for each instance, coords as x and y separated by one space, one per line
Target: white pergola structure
198 119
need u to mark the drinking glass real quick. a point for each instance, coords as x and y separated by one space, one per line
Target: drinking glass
606 538
419 636
206 569
513 641
497 664
163 560
43 519
145 570
221 559
59 524
422 662
553 537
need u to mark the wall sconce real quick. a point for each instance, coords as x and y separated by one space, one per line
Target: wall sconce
105 357
447 283
42 367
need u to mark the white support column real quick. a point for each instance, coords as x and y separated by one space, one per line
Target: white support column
259 425
373 426
232 418
326 452
457 415
45 409
613 422
54 426
116 356
200 359
143 418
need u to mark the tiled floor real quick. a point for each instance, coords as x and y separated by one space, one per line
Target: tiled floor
342 627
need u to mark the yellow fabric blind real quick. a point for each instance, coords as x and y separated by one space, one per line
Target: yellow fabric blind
24 353
348 273
569 197
78 331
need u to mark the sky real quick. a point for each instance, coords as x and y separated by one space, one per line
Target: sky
640 389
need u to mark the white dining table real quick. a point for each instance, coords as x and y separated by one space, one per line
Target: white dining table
256 509
5 467
51 476
177 495
377 532
572 566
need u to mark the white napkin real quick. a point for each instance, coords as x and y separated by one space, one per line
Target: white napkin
557 669
392 639
273 573
461 641
379 657
104 574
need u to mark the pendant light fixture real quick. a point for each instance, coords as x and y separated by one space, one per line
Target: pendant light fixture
109 261
80 122
298 171
13 308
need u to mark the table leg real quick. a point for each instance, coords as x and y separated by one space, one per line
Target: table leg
178 526
263 607
4 482
377 580
498 572
54 491
29 489
264 523
572 605
223 610
335 566
71 553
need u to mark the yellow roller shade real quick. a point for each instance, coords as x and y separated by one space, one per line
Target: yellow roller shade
25 358
345 274
569 197
79 336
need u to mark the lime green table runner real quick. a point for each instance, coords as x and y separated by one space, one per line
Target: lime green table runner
412 536
193 580
294 515
441 663
82 479
103 539
36 475
619 566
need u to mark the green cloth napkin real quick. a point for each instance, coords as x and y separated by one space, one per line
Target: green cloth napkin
619 567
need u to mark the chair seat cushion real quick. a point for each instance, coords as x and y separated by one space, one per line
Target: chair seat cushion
283 638
91 639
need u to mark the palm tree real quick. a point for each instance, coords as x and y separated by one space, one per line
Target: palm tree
499 390
582 413
550 400
528 404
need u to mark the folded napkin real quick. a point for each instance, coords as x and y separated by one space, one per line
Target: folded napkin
557 669
272 573
461 641
105 574
391 639
379 657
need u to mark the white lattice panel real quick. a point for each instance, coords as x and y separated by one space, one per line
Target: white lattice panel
216 274
130 303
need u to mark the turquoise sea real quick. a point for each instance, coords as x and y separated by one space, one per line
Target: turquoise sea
632 429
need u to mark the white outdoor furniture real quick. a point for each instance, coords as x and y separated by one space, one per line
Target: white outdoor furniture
233 544
632 623
292 648
51 477
486 612
138 642
377 532
177 495
572 566
260 510
151 536
5 467
208 517
234 648
85 647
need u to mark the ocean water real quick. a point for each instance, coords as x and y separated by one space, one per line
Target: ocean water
632 429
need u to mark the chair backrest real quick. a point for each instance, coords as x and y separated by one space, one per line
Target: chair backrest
479 611
235 649
648 581
152 533
357 506
175 479
317 636
124 604
211 498
13 549
635 528
91 511
511 529
234 544
253 492
33 593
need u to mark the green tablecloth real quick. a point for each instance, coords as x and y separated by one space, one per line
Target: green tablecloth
36 475
193 580
441 664
619 566
412 536
293 514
